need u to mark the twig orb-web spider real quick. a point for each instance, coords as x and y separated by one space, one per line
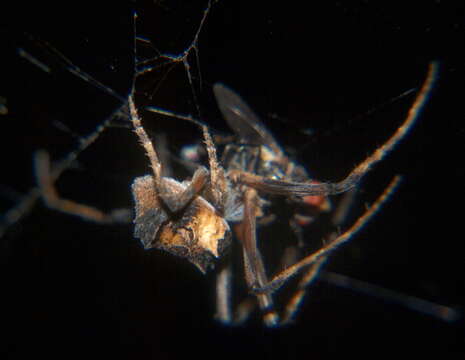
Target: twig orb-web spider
197 219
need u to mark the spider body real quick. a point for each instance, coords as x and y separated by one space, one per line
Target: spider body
196 233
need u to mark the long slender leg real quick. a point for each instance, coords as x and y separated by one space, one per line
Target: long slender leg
217 177
224 308
145 142
174 201
177 201
326 250
291 256
304 189
45 179
53 200
309 276
253 265
441 312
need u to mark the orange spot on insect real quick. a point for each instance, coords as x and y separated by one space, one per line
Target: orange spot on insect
314 200
319 202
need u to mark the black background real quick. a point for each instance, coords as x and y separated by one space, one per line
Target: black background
73 289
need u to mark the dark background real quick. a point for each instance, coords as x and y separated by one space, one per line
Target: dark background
73 289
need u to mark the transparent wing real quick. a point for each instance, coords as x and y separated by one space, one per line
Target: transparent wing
242 119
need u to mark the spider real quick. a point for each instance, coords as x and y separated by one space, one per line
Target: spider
197 219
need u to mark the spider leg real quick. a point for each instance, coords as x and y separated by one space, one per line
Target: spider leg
218 184
304 189
441 312
145 142
309 276
253 265
326 250
174 201
53 200
25 205
224 308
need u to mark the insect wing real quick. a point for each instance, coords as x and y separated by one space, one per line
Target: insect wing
242 119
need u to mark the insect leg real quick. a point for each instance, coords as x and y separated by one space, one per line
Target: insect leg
253 265
312 273
326 250
290 188
174 201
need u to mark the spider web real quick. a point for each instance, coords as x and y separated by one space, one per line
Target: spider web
160 71
262 53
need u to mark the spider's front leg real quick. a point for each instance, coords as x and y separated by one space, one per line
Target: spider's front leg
176 201
173 216
301 189
253 264
315 259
